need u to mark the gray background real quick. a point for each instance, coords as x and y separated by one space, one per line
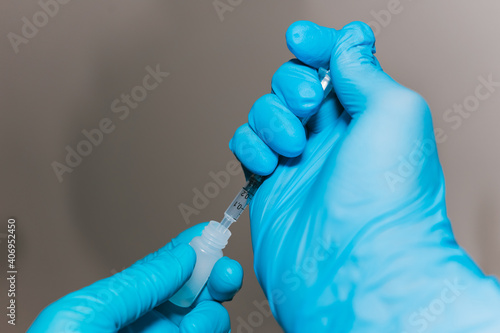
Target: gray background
122 201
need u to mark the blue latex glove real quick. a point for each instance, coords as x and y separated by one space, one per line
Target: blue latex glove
135 300
350 232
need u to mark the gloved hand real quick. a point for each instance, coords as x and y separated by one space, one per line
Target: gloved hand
135 300
350 232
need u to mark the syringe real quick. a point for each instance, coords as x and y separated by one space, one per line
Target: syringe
242 200
209 245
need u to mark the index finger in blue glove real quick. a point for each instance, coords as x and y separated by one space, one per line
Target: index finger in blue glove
253 152
114 302
277 126
314 51
298 86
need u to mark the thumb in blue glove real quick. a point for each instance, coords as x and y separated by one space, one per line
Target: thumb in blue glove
135 300
350 231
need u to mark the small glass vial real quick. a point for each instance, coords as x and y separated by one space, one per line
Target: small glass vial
208 248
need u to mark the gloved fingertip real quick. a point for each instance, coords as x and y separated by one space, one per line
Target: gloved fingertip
311 43
298 87
266 168
225 280
228 270
252 152
357 33
277 126
312 94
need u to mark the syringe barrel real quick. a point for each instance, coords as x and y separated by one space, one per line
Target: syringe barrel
208 248
243 198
